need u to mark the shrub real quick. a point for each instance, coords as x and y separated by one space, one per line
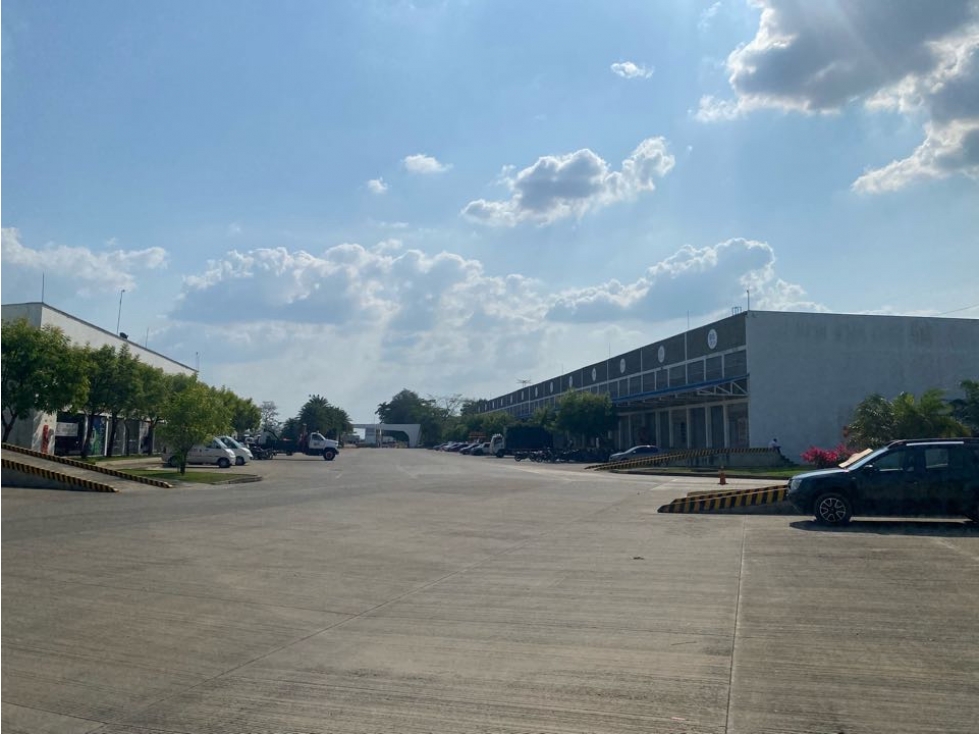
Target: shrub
825 458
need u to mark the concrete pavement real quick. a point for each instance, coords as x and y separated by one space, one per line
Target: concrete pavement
412 591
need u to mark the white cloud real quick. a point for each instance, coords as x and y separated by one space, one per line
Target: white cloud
708 279
388 225
915 58
707 16
421 163
391 244
360 324
712 109
630 70
377 185
90 272
557 187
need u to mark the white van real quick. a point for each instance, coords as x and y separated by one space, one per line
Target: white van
242 453
214 452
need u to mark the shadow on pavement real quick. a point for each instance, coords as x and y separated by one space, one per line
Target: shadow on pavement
948 528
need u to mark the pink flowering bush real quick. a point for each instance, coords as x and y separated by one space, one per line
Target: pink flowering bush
825 458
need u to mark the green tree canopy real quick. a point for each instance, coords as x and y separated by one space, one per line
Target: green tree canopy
100 367
245 415
545 417
269 416
408 407
40 371
123 396
584 414
155 389
966 410
878 421
317 414
193 415
930 416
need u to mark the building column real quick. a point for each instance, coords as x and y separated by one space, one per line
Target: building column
727 429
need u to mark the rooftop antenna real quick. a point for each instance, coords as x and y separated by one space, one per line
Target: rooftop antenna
42 286
748 292
524 381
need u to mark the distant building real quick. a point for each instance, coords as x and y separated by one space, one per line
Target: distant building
759 375
63 432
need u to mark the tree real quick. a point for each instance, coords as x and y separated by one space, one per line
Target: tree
408 407
100 366
873 423
545 417
585 414
878 421
966 410
193 415
40 371
318 415
155 389
245 415
123 395
269 416
930 416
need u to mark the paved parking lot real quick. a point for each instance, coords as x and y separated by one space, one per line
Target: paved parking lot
411 591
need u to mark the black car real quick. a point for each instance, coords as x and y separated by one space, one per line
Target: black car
914 477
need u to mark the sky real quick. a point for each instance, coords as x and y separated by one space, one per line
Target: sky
351 198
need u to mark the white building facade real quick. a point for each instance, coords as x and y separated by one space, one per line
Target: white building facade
62 432
754 376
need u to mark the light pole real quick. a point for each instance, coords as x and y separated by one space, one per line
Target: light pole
119 315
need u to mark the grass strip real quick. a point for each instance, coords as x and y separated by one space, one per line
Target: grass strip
194 477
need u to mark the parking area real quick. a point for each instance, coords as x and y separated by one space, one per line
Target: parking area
417 591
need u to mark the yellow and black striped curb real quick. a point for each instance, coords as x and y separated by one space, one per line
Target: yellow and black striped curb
727 500
85 465
57 476
655 459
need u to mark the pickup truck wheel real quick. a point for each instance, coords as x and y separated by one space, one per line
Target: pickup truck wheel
239 461
499 454
832 508
329 454
223 463
173 463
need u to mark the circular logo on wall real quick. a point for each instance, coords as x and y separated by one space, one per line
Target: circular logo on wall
711 338
622 365
661 353
594 374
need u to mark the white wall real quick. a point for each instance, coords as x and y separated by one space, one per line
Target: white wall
81 332
809 371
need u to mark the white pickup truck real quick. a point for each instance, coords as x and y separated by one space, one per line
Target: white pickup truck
317 444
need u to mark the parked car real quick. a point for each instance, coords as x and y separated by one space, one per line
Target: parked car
214 452
480 449
636 452
919 477
242 453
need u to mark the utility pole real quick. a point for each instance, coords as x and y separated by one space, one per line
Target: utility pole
119 315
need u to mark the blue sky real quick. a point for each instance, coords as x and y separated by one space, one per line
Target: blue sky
348 199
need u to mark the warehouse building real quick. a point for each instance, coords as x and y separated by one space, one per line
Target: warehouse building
758 375
62 433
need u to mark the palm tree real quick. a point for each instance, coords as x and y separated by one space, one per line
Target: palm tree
928 417
877 420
